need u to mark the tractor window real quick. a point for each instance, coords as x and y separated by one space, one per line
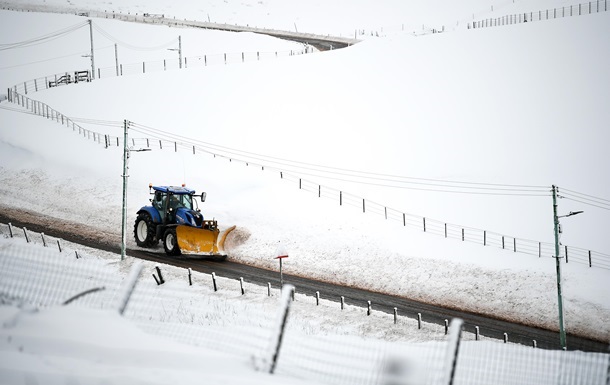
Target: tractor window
181 201
159 200
187 201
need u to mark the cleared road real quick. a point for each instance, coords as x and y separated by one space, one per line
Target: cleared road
488 327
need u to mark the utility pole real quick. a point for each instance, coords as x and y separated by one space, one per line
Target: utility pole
92 60
562 332
116 59
180 50
126 153
125 176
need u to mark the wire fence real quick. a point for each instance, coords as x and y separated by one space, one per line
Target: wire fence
432 226
548 14
44 110
196 61
193 313
84 75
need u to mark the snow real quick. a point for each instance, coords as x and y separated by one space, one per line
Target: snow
180 332
522 104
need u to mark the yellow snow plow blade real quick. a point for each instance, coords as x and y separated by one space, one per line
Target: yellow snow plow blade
206 241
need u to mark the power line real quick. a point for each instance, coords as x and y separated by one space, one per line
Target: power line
130 46
43 38
361 177
587 203
40 61
586 196
583 198
17 110
98 122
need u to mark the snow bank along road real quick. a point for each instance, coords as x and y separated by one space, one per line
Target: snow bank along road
489 327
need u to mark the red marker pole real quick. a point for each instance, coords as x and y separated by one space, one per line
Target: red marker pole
280 257
281 276
281 254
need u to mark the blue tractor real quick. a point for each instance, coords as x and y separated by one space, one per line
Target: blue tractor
174 217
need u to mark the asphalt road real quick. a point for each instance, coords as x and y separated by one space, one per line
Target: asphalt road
488 327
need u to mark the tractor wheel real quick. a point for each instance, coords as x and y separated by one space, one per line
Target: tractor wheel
144 231
170 242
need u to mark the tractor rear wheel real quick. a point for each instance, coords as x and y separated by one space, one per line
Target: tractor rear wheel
144 231
170 242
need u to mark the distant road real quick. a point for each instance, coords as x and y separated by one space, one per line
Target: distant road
488 327
321 42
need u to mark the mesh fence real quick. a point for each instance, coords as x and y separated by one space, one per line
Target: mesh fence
242 323
492 363
30 277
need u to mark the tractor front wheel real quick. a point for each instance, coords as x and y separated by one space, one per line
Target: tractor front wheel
170 242
144 231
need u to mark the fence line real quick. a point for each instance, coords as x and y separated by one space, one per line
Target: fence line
429 225
42 109
74 77
548 14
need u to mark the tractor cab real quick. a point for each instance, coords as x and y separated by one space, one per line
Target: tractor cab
177 205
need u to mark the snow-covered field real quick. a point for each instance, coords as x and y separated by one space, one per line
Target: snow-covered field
517 105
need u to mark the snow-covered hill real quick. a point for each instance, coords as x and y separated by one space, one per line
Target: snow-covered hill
518 105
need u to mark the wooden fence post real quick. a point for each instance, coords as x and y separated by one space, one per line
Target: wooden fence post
278 333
